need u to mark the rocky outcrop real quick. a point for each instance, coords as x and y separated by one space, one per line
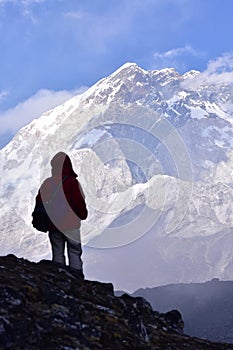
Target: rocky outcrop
45 306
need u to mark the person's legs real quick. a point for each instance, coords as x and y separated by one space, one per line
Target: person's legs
74 250
57 240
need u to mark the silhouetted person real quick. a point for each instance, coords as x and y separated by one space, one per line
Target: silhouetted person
68 209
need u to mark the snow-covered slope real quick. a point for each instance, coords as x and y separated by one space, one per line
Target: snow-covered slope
154 157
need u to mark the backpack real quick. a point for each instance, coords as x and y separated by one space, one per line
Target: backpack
49 213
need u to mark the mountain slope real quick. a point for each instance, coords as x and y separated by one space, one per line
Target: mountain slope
153 150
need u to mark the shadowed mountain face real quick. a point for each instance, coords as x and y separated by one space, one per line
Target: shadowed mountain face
46 306
207 308
153 150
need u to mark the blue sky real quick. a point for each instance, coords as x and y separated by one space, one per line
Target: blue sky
54 49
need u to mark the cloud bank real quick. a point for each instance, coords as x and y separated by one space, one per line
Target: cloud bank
175 58
218 71
23 113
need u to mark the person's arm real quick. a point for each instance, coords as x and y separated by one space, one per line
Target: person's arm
42 193
38 199
78 203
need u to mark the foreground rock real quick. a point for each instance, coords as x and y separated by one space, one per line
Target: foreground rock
43 306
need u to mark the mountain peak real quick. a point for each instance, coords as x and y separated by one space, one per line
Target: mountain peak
127 65
127 68
191 74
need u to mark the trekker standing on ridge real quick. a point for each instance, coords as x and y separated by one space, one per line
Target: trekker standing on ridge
68 209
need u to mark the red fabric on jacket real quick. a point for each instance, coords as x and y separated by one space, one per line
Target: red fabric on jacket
71 195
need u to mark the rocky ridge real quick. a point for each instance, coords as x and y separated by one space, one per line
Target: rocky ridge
43 305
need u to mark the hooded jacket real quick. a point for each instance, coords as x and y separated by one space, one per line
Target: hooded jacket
68 202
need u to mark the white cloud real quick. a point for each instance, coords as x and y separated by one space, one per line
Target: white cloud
28 2
25 6
75 15
175 58
24 112
221 65
176 52
3 95
218 71
21 2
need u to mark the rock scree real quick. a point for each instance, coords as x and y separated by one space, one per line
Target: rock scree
46 306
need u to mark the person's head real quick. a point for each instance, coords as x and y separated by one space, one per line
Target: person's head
61 165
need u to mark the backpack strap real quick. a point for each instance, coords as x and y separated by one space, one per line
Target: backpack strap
57 189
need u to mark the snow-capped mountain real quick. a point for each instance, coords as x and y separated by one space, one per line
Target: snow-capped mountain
153 150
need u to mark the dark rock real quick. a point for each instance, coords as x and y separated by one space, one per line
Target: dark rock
47 306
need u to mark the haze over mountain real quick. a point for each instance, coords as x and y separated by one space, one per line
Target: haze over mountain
205 307
153 150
